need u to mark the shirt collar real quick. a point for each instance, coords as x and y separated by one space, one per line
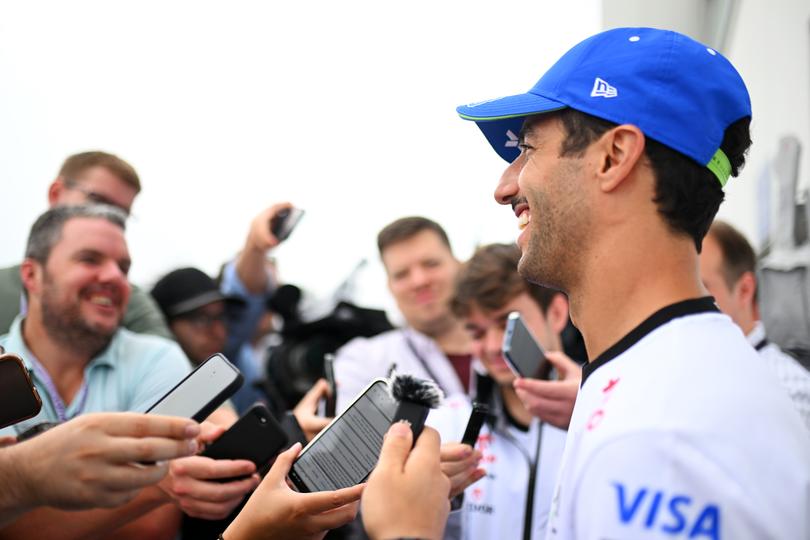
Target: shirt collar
756 335
656 320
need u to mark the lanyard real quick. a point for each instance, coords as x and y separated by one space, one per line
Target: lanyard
761 345
422 361
56 399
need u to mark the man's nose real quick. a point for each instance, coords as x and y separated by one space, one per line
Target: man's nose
493 342
110 271
507 187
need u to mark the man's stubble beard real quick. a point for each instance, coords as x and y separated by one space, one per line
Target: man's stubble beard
66 326
558 240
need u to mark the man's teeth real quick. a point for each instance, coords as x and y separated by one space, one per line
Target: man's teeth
101 300
523 220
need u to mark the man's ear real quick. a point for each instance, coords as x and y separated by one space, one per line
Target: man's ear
557 313
31 275
55 191
620 149
745 290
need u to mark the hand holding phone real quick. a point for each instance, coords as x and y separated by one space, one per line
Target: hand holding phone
283 223
19 399
256 436
522 352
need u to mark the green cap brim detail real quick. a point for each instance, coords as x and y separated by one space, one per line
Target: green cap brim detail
508 116
720 166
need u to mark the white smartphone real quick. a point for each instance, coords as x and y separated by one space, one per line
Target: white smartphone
202 391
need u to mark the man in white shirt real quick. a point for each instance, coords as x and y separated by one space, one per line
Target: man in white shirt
727 268
421 268
679 429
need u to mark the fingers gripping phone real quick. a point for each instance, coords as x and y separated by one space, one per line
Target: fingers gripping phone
202 391
345 452
19 399
522 352
283 223
256 436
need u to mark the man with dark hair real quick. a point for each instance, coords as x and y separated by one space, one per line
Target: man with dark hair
421 268
618 156
728 271
82 361
89 178
520 453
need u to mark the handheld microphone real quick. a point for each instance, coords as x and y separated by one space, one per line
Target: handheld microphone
415 398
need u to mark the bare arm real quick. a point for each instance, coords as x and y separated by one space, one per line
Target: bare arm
87 524
251 264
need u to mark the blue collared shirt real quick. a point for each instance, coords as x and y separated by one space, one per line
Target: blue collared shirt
131 374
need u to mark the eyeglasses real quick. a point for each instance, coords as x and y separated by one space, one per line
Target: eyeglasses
203 320
95 197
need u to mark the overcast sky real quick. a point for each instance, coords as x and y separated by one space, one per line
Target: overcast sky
344 108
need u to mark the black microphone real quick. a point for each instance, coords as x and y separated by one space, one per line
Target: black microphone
415 398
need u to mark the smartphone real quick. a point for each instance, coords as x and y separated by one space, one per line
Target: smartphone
283 223
19 399
522 352
346 451
477 417
256 436
329 375
202 391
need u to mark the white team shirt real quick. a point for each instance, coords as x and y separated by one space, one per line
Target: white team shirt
794 378
495 507
681 431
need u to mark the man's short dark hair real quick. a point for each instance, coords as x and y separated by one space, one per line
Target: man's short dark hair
688 194
738 255
406 228
76 164
490 280
47 229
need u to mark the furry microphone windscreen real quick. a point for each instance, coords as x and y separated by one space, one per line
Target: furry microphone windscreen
423 392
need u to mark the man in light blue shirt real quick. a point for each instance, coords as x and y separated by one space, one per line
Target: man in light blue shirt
75 278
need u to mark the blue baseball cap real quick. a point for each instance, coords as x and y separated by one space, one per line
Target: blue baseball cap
677 91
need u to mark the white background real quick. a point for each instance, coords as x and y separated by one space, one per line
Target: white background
346 109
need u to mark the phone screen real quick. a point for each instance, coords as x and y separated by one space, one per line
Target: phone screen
204 389
344 453
521 351
19 399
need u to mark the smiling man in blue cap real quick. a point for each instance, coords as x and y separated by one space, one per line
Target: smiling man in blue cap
618 160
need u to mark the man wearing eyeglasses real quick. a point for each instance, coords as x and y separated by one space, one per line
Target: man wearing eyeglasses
89 177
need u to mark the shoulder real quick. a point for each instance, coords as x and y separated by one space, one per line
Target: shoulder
391 338
131 347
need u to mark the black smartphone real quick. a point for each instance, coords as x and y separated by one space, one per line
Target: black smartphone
256 436
202 391
477 417
283 223
522 352
329 375
346 451
19 399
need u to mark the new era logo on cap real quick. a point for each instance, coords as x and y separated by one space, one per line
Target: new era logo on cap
601 88
511 139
